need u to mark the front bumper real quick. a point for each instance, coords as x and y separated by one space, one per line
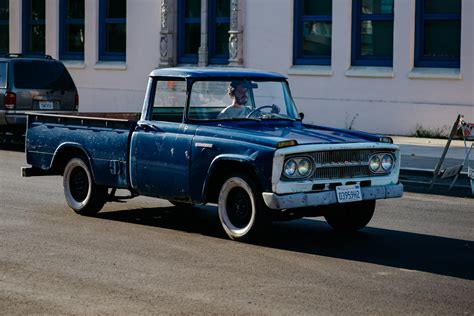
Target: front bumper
297 200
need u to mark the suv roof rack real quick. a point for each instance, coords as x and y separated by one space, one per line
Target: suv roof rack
20 55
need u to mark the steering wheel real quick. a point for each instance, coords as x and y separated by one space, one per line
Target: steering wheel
273 107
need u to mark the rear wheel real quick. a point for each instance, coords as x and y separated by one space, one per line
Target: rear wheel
82 194
242 212
351 216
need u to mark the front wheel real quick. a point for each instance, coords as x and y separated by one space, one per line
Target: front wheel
82 194
242 212
350 217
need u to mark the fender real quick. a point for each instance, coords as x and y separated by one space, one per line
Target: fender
247 160
66 146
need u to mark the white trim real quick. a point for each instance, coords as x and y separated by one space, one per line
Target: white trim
74 64
281 187
370 72
110 65
310 70
320 147
435 73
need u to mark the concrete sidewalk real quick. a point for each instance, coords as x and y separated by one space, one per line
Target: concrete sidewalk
419 159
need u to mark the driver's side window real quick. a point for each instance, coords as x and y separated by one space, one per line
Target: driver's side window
208 98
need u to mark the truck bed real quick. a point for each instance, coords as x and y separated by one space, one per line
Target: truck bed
52 139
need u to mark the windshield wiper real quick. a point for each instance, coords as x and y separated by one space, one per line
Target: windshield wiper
276 118
239 119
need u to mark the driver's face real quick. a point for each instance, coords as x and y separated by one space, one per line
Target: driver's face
240 94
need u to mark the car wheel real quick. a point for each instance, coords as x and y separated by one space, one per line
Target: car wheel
242 212
82 194
350 217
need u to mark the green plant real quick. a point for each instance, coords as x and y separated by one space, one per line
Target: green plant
349 125
442 133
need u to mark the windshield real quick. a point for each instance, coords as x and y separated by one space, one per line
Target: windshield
241 99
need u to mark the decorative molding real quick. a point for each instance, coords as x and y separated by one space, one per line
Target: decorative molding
164 47
233 46
234 18
164 15
236 33
168 38
203 52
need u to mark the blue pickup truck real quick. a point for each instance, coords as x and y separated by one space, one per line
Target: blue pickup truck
231 137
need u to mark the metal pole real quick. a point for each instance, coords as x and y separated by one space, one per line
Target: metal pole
443 156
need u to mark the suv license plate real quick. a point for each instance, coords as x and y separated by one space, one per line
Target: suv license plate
348 193
46 105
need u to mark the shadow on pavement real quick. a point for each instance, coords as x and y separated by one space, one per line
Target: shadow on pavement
12 144
404 250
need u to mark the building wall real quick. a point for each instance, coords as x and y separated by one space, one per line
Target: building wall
385 100
104 86
373 99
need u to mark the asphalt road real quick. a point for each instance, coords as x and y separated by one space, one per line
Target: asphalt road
145 256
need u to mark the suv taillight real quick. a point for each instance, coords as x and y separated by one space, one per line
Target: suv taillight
76 102
9 100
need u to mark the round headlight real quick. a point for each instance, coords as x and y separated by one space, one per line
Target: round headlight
387 162
374 163
290 168
304 167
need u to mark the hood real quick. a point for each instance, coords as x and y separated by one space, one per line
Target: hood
270 133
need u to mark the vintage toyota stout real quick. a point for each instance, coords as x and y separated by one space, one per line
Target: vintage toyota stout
265 164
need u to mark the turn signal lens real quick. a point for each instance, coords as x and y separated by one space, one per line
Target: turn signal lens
10 100
386 139
287 143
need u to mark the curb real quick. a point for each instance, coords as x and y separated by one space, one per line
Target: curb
419 180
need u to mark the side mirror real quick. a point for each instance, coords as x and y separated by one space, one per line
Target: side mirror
301 114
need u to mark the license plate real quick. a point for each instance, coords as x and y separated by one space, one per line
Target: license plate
348 193
46 105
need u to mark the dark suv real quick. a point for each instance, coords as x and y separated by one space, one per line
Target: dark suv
39 83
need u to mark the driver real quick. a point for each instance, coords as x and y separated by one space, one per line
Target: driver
238 93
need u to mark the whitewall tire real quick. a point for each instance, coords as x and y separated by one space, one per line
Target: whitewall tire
80 191
241 210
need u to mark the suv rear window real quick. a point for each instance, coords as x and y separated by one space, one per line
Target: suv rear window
3 75
42 75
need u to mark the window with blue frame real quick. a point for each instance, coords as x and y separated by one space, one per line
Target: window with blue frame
4 31
218 34
372 33
438 33
34 27
189 31
112 30
312 32
71 43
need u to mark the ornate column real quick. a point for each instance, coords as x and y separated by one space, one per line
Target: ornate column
168 33
236 31
203 59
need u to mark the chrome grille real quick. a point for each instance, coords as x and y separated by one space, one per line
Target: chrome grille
342 164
